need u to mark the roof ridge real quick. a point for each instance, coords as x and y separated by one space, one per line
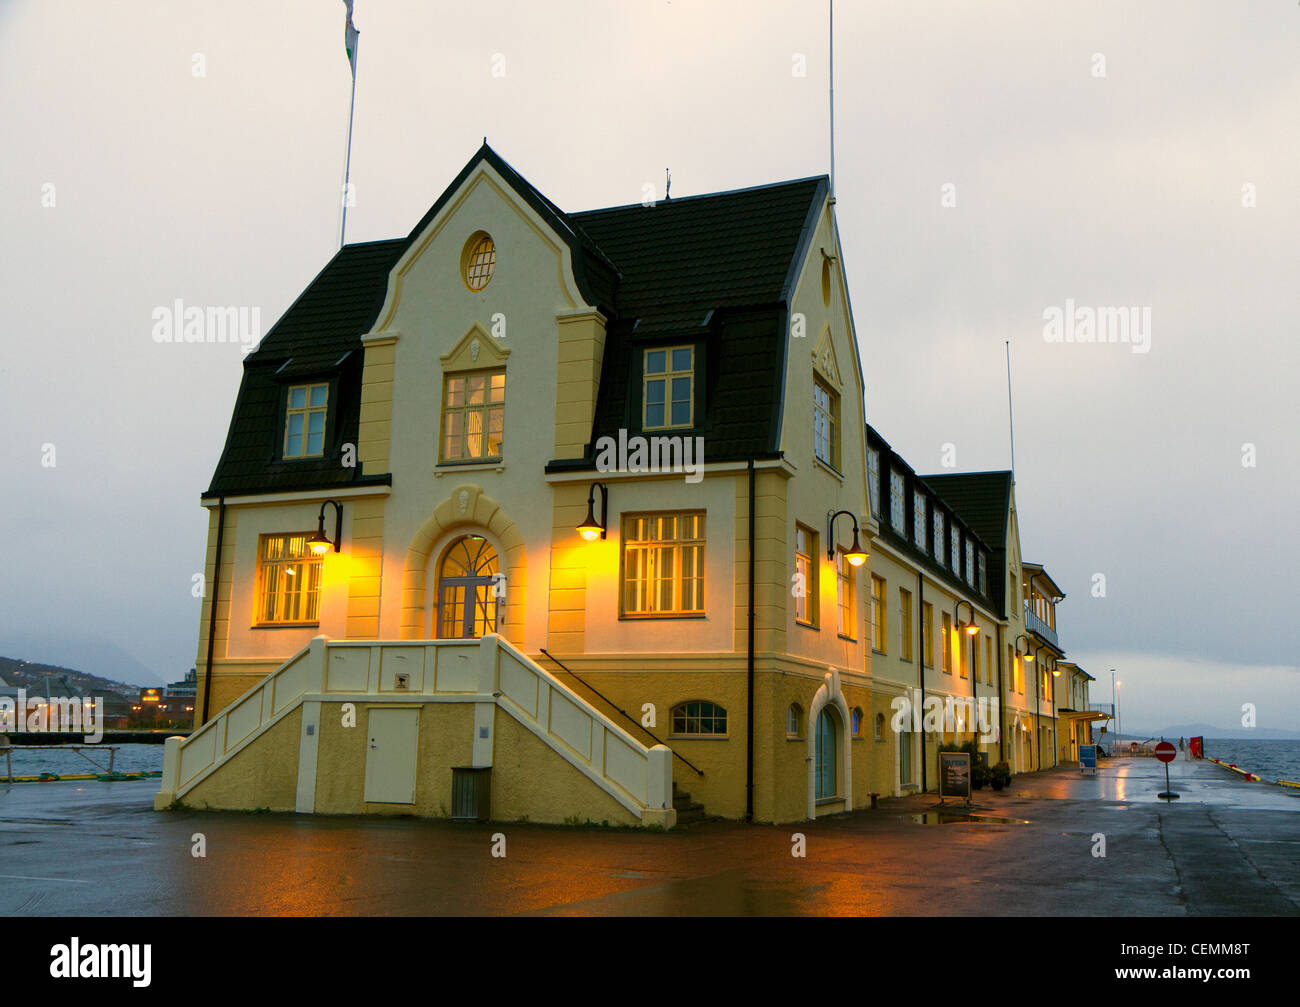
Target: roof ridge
700 195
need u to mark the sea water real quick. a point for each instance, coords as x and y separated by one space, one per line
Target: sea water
131 758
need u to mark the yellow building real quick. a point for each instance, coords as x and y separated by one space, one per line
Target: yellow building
402 614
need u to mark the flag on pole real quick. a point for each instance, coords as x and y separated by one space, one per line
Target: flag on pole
350 36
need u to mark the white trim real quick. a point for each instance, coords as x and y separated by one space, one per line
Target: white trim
298 497
830 694
308 748
714 468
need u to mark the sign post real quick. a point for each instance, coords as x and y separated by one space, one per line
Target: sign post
1088 759
1166 753
954 775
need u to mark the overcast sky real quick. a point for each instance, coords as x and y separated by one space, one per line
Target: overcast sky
1100 153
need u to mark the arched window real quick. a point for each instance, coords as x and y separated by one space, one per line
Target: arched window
828 749
470 585
794 721
880 727
699 718
855 722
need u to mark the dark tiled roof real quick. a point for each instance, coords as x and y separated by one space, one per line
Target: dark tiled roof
983 499
715 270
318 336
683 258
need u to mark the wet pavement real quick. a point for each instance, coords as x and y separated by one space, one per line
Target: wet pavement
1227 847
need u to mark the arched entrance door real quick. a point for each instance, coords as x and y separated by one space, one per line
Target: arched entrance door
828 752
469 590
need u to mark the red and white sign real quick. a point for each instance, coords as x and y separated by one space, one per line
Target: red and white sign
1165 751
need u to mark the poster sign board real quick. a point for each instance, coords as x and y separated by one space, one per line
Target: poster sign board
1088 759
954 775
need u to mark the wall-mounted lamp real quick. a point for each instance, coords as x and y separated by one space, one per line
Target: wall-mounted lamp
320 543
856 554
1029 658
591 529
970 627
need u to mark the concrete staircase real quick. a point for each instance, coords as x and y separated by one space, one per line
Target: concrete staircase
688 811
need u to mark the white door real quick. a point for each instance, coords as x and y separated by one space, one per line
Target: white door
391 747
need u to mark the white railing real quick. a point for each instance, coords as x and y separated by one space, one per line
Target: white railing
488 670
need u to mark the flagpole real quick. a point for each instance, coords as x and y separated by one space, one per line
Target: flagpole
347 165
1011 417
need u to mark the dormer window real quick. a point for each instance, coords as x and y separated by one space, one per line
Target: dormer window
938 537
897 503
304 423
918 520
668 389
473 416
970 562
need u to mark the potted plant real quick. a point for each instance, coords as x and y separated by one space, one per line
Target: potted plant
1000 775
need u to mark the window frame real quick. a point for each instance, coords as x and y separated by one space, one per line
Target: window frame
832 414
811 602
307 561
879 617
464 410
846 581
918 520
667 376
927 634
677 541
701 716
906 649
306 412
945 630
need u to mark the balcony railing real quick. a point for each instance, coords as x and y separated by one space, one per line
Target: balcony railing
1106 708
1035 624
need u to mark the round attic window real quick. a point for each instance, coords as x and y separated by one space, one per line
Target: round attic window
478 260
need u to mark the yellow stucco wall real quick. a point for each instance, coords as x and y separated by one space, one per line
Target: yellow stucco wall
262 775
531 781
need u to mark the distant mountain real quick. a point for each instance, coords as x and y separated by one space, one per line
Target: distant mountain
72 650
1210 731
32 677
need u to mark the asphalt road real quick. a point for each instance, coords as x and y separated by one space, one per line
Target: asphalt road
1226 848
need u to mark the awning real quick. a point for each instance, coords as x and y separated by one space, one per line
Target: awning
1082 715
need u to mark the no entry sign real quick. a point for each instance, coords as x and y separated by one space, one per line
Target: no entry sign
1165 751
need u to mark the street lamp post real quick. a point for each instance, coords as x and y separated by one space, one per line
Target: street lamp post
1118 685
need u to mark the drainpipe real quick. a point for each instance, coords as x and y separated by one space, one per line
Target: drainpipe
749 706
920 664
1002 744
212 608
1038 705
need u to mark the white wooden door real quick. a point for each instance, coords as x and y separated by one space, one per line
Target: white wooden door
392 743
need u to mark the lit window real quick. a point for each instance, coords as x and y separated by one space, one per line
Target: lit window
473 416
793 721
878 637
288 580
663 564
938 537
918 520
846 596
905 623
805 601
669 388
826 421
479 260
873 479
946 643
897 513
304 422
699 719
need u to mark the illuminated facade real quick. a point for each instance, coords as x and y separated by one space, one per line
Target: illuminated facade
570 506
